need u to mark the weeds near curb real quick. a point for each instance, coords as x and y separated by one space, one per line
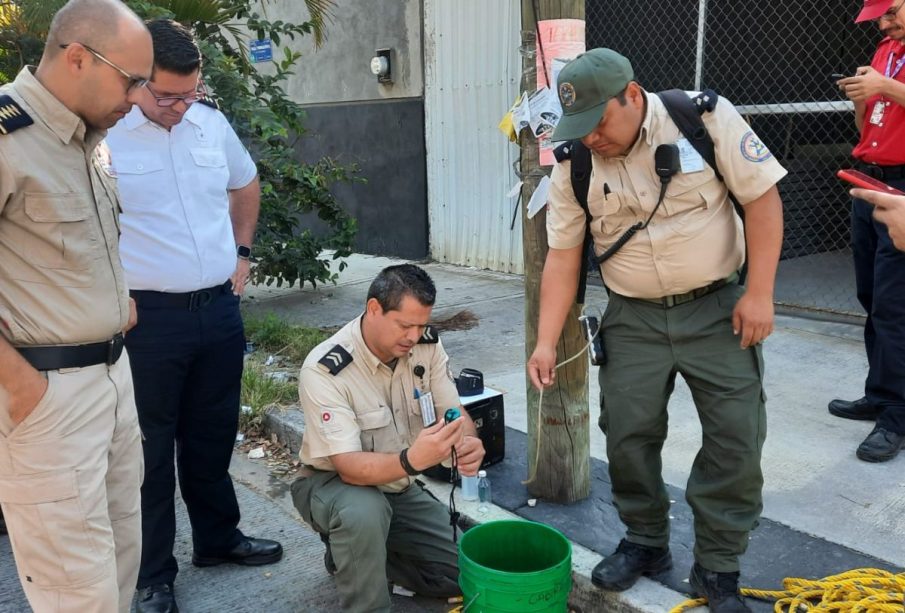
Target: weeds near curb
262 388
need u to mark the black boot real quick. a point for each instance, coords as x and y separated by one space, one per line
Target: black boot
881 445
620 570
853 409
720 590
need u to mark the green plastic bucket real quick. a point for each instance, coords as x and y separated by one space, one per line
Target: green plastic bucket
515 567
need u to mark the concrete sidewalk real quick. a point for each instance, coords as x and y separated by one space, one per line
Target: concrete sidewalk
814 483
296 584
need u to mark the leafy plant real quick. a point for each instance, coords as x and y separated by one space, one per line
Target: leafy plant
264 117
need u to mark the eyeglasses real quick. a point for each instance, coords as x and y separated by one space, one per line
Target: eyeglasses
892 12
199 93
132 82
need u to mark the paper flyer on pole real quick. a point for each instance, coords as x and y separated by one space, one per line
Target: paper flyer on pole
559 40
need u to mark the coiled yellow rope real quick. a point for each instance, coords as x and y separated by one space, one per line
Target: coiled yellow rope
862 590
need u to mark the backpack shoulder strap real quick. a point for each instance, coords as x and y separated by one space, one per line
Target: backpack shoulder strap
686 113
580 176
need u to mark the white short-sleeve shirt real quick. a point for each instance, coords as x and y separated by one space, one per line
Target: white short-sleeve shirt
177 234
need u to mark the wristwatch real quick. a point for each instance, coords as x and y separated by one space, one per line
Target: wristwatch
243 251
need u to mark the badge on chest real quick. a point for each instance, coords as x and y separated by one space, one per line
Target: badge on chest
876 115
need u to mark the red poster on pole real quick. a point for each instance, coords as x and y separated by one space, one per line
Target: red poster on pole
559 41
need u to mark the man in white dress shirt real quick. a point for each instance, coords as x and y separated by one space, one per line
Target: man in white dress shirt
190 198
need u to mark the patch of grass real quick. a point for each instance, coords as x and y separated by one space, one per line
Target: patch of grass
273 336
260 391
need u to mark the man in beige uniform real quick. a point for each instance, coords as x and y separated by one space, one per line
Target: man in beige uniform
675 307
70 449
365 441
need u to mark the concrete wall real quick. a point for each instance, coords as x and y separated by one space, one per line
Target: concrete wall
353 117
339 71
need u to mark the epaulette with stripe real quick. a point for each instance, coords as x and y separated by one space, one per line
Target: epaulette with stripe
12 116
563 152
430 335
336 359
206 100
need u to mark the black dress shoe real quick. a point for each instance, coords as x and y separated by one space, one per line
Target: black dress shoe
250 552
720 590
621 569
157 598
881 445
854 409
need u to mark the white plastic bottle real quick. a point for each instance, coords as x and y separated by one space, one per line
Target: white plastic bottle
469 487
484 495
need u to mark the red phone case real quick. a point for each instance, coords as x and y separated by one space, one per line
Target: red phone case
858 178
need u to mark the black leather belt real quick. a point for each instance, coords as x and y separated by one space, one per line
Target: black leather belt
700 292
73 356
192 301
883 173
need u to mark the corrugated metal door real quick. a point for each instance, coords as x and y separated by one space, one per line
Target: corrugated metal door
472 72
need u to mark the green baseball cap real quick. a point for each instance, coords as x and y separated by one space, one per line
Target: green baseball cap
585 85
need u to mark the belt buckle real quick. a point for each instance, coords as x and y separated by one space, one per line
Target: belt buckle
114 349
200 299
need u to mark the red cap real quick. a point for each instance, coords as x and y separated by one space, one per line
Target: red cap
873 9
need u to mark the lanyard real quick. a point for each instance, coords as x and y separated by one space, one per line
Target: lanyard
890 73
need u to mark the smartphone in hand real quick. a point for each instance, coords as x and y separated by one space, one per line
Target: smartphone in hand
837 76
860 179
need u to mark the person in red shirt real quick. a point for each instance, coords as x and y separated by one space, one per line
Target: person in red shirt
878 92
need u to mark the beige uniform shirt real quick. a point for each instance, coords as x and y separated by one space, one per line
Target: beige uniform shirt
61 281
368 406
695 237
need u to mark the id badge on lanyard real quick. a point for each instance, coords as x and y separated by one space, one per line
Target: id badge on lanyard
876 115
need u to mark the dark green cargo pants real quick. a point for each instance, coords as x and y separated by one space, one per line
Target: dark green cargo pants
374 537
647 345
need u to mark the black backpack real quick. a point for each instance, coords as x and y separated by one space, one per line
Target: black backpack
686 114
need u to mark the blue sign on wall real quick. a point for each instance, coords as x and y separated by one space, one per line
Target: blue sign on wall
260 50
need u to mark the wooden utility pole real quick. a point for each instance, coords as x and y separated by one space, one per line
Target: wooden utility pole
561 471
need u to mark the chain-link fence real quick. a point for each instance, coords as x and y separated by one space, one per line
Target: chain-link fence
773 59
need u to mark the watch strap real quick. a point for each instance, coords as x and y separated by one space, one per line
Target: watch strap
406 465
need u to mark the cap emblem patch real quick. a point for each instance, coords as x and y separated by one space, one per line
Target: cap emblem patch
566 94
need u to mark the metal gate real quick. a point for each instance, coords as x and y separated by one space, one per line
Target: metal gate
472 71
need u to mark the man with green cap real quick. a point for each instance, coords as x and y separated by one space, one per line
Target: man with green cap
675 307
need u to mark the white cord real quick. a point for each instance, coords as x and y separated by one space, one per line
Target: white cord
540 399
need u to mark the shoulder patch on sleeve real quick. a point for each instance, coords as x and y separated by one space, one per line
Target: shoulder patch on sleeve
12 116
207 100
430 335
336 359
753 149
